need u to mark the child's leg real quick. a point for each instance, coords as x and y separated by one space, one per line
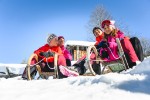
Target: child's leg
33 69
128 48
66 71
68 62
61 60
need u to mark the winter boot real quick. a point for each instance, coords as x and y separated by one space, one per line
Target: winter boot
80 69
97 68
33 72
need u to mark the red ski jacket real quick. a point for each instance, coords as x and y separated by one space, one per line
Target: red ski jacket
99 38
46 48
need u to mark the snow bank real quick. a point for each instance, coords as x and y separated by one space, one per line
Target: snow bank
142 68
14 68
118 86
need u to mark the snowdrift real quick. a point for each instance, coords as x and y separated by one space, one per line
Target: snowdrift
132 84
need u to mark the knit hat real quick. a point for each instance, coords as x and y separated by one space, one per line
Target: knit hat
50 37
96 28
108 22
60 37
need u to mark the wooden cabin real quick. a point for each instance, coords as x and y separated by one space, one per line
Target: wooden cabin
78 48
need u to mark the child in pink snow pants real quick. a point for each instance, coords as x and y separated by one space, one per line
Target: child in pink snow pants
109 48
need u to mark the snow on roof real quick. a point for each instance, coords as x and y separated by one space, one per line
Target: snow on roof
79 43
13 65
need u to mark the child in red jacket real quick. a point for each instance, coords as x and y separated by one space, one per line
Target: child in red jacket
98 33
50 48
45 58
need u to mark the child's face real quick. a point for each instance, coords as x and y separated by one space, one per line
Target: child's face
97 32
54 42
108 29
61 41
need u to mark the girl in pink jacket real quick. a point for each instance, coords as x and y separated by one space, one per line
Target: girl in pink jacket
66 53
109 46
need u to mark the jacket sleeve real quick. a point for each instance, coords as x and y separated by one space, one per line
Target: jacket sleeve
120 35
41 49
113 43
67 54
44 48
96 43
59 51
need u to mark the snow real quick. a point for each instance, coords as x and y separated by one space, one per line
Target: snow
131 84
14 68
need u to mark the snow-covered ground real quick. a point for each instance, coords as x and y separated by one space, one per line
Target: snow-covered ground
132 84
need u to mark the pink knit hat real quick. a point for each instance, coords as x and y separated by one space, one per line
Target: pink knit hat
60 37
108 22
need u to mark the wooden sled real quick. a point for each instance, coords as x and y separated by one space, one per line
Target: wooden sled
106 67
40 73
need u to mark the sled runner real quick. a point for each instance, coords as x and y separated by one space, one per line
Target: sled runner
35 71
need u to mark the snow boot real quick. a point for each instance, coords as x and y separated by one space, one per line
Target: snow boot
33 72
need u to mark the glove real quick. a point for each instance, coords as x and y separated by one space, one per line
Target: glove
104 54
105 45
102 44
99 45
47 54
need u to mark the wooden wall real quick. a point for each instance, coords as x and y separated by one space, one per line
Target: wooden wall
73 51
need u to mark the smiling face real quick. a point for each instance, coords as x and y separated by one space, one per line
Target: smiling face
61 41
97 32
54 42
108 29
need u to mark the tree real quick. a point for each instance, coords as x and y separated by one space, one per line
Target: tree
98 15
146 46
24 61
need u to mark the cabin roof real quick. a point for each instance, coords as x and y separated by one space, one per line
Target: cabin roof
78 43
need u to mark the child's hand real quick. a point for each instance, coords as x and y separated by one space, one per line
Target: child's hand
47 54
105 45
102 44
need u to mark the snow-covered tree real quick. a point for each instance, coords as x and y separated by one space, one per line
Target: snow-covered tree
97 16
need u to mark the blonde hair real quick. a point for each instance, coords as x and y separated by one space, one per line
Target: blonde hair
113 33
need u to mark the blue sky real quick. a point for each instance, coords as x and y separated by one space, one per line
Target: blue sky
25 24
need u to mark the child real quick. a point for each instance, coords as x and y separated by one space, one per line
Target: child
110 46
66 53
98 33
46 53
